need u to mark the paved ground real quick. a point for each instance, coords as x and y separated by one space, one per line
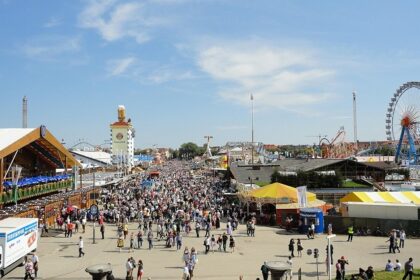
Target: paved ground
58 256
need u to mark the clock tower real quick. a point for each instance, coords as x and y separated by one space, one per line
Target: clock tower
122 139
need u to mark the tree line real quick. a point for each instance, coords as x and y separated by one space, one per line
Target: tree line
310 179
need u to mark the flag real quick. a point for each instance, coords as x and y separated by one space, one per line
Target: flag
301 196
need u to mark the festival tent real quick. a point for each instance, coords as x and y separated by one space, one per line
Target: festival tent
276 193
383 197
284 198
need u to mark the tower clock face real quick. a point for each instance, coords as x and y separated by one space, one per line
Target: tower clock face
119 136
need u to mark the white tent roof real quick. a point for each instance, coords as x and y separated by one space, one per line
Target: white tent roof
96 155
8 136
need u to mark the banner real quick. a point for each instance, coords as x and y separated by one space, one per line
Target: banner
301 196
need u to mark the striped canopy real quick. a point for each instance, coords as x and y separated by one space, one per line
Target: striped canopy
383 197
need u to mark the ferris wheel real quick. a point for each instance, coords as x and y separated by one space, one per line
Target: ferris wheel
403 121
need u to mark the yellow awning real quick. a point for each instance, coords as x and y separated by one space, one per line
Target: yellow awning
383 197
279 192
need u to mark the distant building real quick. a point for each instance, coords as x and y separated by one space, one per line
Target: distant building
122 140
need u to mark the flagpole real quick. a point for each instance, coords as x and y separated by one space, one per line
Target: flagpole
252 129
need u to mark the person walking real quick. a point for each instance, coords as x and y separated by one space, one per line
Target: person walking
140 270
178 240
232 244
139 239
402 238
150 239
343 263
299 247
125 231
289 272
129 266
331 253
35 261
197 229
186 256
102 231
338 270
408 268
220 242
29 270
193 256
292 247
350 232
224 240
212 242
206 244
264 270
391 241
186 273
81 245
84 224
120 243
132 242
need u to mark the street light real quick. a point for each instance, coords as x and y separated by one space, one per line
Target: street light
16 170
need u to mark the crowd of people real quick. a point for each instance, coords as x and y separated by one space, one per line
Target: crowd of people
177 202
180 203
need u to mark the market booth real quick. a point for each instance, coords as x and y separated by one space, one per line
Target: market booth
282 202
311 215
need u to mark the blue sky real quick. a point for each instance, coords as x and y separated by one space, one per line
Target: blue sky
186 68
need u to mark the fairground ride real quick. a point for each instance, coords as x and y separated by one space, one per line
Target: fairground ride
337 147
402 123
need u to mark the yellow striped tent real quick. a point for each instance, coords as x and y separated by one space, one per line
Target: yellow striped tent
383 197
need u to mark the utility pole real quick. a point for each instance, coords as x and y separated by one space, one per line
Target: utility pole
25 112
355 120
252 129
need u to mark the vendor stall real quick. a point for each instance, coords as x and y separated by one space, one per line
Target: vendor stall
284 201
308 216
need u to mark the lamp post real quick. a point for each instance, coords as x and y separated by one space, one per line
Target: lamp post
16 170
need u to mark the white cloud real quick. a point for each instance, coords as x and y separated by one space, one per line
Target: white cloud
118 67
286 78
167 74
51 47
115 20
52 22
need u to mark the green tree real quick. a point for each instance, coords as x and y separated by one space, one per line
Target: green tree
189 150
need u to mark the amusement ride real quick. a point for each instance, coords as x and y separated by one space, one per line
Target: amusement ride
402 123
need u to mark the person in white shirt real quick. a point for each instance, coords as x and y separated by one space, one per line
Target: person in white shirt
402 238
397 266
389 266
81 245
35 261
289 272
129 266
